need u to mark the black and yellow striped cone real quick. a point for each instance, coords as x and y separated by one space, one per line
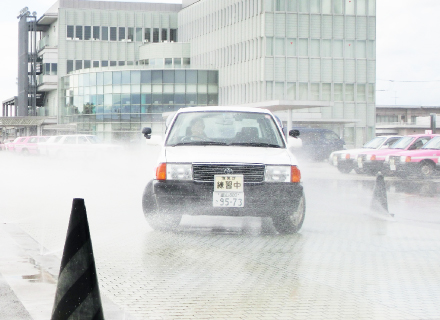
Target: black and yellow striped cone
77 295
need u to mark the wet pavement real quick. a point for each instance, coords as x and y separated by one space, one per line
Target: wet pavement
347 261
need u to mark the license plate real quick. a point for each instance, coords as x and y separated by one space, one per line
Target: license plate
228 199
335 160
392 165
360 164
228 191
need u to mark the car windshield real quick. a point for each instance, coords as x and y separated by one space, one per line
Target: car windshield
225 128
434 143
94 139
375 143
402 143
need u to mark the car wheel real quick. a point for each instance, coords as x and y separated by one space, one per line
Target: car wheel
344 169
291 222
156 219
25 152
427 169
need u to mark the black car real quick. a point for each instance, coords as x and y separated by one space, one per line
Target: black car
318 144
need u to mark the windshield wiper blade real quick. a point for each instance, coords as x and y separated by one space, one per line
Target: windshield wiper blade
199 143
256 144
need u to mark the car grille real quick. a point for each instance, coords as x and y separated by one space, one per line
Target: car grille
252 173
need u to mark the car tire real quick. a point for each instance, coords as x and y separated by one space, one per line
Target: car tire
156 219
427 169
291 222
25 152
344 169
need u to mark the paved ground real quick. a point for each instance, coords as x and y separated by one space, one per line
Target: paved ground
347 262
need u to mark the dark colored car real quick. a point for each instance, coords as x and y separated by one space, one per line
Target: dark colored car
318 144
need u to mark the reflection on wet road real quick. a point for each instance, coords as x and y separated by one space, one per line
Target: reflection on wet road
347 262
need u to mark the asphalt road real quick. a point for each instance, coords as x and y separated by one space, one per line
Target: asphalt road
347 261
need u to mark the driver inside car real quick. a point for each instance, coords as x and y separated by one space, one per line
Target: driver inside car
197 130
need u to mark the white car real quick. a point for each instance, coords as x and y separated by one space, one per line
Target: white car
75 145
229 161
346 160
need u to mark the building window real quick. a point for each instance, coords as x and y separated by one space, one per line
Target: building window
164 34
78 64
326 91
303 5
338 92
361 7
337 6
54 68
303 91
314 6
95 64
138 34
292 5
121 33
371 92
130 34
349 92
86 64
79 32
70 32
303 47
173 35
113 32
315 48
291 90
148 34
291 47
104 63
95 33
87 32
337 48
279 46
105 33
326 6
361 93
326 48
269 47
112 63
121 63
314 91
280 5
156 35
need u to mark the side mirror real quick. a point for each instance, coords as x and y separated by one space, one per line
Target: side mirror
146 132
294 133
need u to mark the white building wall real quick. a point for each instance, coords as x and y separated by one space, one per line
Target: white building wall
290 50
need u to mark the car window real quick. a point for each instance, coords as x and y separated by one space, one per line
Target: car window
82 140
374 143
402 143
390 142
33 140
245 128
93 139
42 139
70 140
434 143
331 136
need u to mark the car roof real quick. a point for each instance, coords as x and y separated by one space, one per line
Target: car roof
223 108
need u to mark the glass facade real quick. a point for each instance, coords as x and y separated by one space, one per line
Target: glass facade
117 104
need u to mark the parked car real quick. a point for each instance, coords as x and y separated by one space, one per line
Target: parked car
29 145
78 145
10 146
230 161
423 162
373 161
318 144
346 160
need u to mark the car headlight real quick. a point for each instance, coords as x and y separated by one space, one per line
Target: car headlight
282 174
174 171
277 174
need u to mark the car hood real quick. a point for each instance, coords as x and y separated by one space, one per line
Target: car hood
418 153
229 154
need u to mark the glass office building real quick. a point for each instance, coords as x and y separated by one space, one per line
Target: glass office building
116 104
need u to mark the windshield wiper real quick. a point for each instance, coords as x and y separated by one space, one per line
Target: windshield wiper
199 143
256 144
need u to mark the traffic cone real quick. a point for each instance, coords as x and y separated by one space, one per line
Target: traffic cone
380 201
77 295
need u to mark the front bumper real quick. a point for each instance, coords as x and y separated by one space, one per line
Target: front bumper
196 198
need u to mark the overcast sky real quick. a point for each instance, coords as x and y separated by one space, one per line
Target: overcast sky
408 63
